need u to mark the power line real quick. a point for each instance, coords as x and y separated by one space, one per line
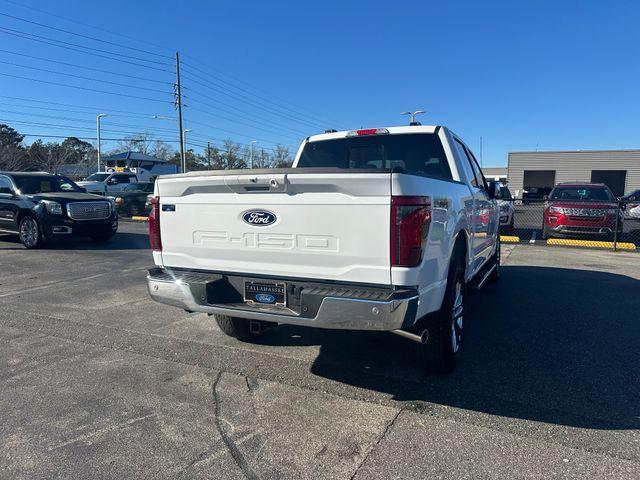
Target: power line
88 138
236 110
74 106
146 79
132 57
84 88
29 36
84 78
83 36
259 105
235 121
77 22
123 114
322 121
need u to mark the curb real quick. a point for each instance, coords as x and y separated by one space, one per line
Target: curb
590 244
509 239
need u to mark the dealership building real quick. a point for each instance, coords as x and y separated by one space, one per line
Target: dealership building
619 169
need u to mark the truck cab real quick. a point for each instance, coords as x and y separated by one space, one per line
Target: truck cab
101 183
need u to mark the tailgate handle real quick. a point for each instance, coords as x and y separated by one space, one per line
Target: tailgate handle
257 183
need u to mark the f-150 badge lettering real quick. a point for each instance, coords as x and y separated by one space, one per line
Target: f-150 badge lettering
259 218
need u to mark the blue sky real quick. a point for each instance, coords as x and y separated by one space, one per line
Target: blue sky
523 75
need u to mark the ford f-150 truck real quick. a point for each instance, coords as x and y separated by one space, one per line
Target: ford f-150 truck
374 229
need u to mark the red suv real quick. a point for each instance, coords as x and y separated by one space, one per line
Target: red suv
581 209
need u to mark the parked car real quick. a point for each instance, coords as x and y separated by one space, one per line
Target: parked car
131 200
535 194
40 208
374 229
507 210
101 183
581 209
631 205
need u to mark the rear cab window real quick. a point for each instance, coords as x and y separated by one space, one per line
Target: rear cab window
411 153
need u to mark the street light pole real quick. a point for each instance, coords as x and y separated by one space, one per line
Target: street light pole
184 155
253 142
98 128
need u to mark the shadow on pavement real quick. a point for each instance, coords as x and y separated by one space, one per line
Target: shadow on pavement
547 344
120 241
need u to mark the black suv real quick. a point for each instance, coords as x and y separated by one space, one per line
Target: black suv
41 208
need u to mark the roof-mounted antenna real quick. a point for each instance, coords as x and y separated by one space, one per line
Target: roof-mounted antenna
412 117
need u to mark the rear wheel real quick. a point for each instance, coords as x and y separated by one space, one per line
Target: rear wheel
443 350
30 233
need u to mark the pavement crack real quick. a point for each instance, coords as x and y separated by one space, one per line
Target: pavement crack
377 442
235 452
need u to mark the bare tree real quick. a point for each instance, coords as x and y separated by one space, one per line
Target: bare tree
282 157
13 158
140 142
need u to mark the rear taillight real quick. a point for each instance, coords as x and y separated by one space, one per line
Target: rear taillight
410 220
154 225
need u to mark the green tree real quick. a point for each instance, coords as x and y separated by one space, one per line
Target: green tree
9 137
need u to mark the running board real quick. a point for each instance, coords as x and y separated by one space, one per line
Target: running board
485 277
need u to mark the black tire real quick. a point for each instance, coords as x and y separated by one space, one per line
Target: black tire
442 352
495 260
135 210
30 233
235 327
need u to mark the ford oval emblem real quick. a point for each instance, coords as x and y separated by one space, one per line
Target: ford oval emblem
259 218
265 298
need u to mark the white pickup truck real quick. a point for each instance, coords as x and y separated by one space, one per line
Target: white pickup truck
373 229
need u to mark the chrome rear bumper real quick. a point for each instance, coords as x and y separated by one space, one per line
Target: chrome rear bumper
334 312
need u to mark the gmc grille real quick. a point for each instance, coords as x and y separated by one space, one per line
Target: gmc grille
89 210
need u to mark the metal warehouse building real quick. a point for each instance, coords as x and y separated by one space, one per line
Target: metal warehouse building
619 169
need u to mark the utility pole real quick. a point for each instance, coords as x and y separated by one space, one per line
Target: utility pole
209 154
178 95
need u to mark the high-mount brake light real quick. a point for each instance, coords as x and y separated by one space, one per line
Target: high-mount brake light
154 225
410 222
367 131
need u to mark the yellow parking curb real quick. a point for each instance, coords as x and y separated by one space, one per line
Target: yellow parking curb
140 219
509 239
588 243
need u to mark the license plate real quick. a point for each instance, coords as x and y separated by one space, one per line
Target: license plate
265 293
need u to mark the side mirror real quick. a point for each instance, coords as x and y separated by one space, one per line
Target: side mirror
494 190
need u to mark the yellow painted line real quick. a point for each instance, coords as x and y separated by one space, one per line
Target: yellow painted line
509 239
589 243
140 219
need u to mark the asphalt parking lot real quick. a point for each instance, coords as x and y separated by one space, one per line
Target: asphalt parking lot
97 381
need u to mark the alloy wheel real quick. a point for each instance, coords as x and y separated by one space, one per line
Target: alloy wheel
457 318
29 232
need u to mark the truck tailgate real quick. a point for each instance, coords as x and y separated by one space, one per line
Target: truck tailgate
330 226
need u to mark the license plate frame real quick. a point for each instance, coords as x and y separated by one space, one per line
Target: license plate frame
258 293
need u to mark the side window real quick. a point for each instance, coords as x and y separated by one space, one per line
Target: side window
466 162
122 178
5 186
482 182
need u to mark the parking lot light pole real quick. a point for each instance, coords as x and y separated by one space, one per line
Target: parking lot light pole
253 142
98 129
